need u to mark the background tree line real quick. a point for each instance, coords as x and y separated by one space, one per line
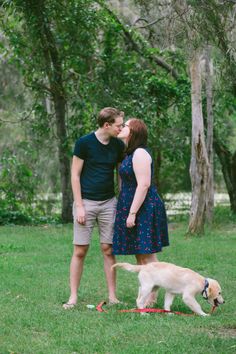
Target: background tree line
62 61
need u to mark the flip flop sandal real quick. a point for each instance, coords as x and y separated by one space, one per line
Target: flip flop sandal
111 303
68 306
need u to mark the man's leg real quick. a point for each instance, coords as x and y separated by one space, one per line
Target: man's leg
106 218
109 260
82 236
76 269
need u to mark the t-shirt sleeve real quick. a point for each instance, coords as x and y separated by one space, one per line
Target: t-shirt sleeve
121 146
80 149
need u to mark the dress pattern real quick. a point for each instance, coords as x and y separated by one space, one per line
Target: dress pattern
150 233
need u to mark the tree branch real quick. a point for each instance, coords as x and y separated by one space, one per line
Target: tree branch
140 19
22 119
127 33
150 23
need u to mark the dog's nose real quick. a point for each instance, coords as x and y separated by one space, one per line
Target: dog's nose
224 302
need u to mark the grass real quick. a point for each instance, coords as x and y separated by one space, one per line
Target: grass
34 266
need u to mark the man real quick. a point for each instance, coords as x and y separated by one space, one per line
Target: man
92 178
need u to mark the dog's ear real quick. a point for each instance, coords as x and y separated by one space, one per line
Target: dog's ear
209 290
205 294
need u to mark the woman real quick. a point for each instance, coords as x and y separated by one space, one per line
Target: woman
141 224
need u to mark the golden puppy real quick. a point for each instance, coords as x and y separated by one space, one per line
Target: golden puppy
175 280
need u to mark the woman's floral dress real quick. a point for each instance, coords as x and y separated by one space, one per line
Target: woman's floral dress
150 233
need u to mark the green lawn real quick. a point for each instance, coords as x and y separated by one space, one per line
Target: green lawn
34 267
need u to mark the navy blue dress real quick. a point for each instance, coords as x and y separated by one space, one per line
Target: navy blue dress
150 233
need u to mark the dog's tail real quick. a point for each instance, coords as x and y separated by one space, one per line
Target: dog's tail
128 266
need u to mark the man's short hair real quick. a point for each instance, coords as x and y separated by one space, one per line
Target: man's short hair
108 115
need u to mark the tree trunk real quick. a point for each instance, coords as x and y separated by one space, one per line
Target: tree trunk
209 142
199 166
64 162
54 71
228 166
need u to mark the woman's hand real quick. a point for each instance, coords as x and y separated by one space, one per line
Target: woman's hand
81 218
130 221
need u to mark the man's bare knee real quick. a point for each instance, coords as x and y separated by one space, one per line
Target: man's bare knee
80 251
106 249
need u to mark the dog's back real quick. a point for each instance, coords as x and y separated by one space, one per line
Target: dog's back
165 275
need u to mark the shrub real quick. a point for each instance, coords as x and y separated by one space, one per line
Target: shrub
17 189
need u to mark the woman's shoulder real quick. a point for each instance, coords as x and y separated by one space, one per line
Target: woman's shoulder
142 153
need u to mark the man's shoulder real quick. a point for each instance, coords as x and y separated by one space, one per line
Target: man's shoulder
86 138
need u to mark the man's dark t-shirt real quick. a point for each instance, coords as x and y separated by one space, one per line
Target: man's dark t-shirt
97 176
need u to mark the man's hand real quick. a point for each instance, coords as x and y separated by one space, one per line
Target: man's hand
81 217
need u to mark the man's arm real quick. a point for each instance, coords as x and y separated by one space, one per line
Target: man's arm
76 169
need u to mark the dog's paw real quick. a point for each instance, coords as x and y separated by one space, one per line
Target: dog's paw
204 314
144 314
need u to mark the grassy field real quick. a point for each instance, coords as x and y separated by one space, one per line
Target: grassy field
34 266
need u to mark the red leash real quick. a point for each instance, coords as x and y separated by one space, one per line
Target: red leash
99 308
158 311
212 310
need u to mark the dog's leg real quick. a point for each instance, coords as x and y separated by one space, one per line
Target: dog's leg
152 298
169 297
139 295
192 303
144 292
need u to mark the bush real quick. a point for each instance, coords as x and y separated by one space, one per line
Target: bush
19 190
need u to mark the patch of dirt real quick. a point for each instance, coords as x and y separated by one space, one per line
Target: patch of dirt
227 332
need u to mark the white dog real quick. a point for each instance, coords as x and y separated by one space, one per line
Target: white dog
175 280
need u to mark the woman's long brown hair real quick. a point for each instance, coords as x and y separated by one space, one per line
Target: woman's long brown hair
138 135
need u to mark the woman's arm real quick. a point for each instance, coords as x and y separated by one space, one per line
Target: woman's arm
142 169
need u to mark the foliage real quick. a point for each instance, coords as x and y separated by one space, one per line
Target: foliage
16 184
223 215
101 68
74 23
19 185
225 117
41 41
132 82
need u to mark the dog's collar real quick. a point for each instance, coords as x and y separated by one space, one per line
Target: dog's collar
204 291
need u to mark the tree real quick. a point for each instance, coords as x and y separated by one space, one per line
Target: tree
40 34
209 139
228 165
199 168
218 24
199 23
164 92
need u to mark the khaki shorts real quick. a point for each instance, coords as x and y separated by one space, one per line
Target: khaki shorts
102 212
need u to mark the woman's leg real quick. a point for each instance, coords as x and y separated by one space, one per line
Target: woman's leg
146 258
